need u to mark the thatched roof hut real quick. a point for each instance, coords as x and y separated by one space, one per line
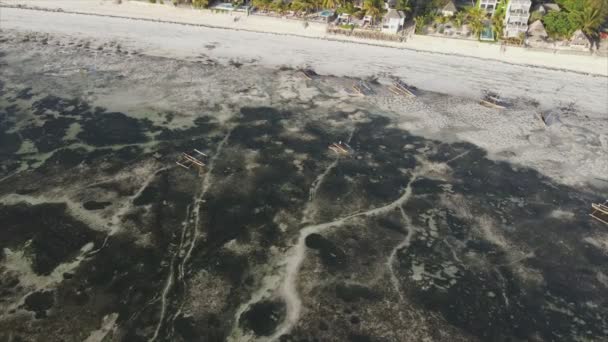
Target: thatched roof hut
537 30
537 35
580 41
449 9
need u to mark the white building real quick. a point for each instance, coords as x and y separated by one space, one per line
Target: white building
393 21
516 17
488 5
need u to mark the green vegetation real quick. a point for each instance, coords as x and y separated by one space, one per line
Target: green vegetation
586 15
558 24
373 8
330 3
498 18
421 21
194 3
404 5
459 18
261 4
200 3
475 18
347 8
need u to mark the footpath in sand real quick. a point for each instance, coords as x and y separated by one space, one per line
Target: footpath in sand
596 65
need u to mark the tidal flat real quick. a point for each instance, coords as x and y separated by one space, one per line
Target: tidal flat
438 225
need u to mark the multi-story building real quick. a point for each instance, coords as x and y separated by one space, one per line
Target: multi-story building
516 17
488 5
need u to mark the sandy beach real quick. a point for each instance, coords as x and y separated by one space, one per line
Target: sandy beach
137 9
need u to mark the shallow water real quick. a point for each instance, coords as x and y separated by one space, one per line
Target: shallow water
407 238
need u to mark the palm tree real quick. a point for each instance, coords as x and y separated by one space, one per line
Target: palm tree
330 3
475 18
261 4
459 18
404 5
419 20
590 18
373 8
278 6
200 3
441 19
302 5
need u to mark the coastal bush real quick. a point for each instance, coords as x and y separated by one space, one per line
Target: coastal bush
422 21
373 8
359 14
200 3
534 16
262 4
498 18
347 8
558 24
586 15
475 18
404 5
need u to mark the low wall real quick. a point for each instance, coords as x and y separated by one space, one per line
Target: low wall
366 34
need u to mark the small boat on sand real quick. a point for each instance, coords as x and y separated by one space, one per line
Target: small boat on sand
186 160
362 88
600 212
401 88
492 100
341 148
308 74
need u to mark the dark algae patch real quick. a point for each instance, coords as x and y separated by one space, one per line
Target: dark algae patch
112 128
52 236
263 317
39 302
94 205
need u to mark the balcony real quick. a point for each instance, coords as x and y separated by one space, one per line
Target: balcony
518 18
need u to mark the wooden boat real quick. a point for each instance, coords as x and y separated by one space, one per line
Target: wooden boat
400 88
352 92
186 160
600 212
363 89
341 148
491 100
308 74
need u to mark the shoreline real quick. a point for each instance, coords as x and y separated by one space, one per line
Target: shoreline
592 65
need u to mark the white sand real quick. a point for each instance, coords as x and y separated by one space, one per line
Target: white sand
167 12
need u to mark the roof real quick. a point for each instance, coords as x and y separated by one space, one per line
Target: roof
394 14
449 7
579 38
551 7
537 29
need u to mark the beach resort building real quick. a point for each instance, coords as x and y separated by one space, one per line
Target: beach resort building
516 17
488 5
393 21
